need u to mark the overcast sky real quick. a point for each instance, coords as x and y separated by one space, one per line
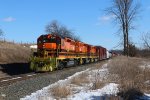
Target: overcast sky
25 20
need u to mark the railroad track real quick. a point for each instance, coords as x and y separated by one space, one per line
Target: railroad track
14 88
12 79
6 81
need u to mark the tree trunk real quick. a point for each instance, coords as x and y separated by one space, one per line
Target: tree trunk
125 44
126 26
125 38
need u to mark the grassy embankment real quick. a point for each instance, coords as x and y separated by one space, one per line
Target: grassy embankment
14 53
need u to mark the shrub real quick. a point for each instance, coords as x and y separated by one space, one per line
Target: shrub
80 79
60 91
98 82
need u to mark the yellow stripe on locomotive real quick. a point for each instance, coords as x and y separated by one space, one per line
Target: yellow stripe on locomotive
54 52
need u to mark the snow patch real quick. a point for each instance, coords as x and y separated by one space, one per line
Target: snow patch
109 89
44 91
33 46
145 65
82 92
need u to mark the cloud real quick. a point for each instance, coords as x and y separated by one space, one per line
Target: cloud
9 19
105 19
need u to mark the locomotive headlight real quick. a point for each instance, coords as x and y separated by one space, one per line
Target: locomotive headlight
43 46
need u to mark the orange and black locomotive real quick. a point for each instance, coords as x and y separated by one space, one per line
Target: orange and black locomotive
55 52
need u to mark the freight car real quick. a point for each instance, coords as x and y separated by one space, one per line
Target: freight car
54 52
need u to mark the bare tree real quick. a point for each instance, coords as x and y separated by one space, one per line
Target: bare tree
124 12
53 28
56 28
1 32
133 49
65 32
77 38
146 40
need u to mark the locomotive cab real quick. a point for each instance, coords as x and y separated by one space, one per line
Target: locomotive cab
48 45
48 42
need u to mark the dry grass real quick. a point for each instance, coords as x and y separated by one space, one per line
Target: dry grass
130 75
99 65
13 53
126 68
60 91
80 79
100 78
98 82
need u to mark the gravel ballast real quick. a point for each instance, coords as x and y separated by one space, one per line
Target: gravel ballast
22 88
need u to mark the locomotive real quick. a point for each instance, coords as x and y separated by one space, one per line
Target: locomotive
55 52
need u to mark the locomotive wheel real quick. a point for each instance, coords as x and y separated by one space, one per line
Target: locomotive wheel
93 60
84 61
60 66
78 62
75 62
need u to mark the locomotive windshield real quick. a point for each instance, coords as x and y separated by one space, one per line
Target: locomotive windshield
45 39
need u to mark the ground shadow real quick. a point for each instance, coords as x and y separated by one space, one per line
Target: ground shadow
106 97
131 94
15 68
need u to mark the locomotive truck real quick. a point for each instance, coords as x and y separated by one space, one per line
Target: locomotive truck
55 52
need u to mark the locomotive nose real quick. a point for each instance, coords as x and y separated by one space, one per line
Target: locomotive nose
43 46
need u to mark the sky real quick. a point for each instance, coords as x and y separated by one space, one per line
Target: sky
25 20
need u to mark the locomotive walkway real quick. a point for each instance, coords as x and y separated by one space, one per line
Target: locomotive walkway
22 86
